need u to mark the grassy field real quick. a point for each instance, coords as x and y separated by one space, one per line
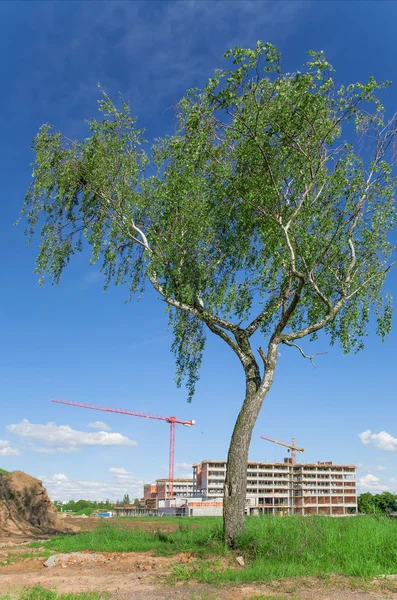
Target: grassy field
273 547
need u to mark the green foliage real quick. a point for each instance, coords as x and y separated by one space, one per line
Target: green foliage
273 547
4 472
126 500
377 503
83 506
273 200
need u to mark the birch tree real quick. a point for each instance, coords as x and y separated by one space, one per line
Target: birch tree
265 219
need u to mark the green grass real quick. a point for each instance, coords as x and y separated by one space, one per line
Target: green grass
13 558
39 593
273 547
109 537
4 472
191 521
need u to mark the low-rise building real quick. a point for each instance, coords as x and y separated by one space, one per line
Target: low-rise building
128 510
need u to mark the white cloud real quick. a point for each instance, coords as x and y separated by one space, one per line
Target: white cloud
7 450
99 425
370 483
62 438
60 487
381 440
380 468
60 477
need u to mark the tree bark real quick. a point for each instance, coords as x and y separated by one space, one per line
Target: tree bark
237 461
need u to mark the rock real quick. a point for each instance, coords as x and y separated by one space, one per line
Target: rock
74 558
240 561
51 561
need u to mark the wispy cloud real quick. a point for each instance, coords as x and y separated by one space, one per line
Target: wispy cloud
150 51
92 278
99 425
184 466
62 438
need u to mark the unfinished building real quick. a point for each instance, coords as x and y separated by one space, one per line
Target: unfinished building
182 491
150 495
285 488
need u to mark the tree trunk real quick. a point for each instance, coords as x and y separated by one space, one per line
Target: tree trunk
237 460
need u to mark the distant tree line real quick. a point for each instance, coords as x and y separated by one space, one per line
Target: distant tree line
126 501
82 505
77 506
377 503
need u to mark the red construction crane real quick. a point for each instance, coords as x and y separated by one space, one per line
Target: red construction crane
291 448
134 413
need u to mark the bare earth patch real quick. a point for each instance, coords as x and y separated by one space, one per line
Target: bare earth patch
141 576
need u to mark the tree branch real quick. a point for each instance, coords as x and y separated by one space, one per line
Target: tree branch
222 334
201 314
311 358
263 356
255 323
301 202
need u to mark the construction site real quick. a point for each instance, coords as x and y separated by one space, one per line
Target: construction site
286 488
272 488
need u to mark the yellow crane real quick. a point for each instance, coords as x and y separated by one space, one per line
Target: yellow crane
291 447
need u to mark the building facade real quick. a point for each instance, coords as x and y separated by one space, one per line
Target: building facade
285 488
150 495
183 490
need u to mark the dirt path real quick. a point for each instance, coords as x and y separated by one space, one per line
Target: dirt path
140 576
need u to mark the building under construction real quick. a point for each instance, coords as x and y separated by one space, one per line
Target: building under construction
285 488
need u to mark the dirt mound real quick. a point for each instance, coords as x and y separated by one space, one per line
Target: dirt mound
25 508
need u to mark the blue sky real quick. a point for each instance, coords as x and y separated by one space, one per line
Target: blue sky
74 342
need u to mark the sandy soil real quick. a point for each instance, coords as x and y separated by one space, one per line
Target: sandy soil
25 508
140 576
